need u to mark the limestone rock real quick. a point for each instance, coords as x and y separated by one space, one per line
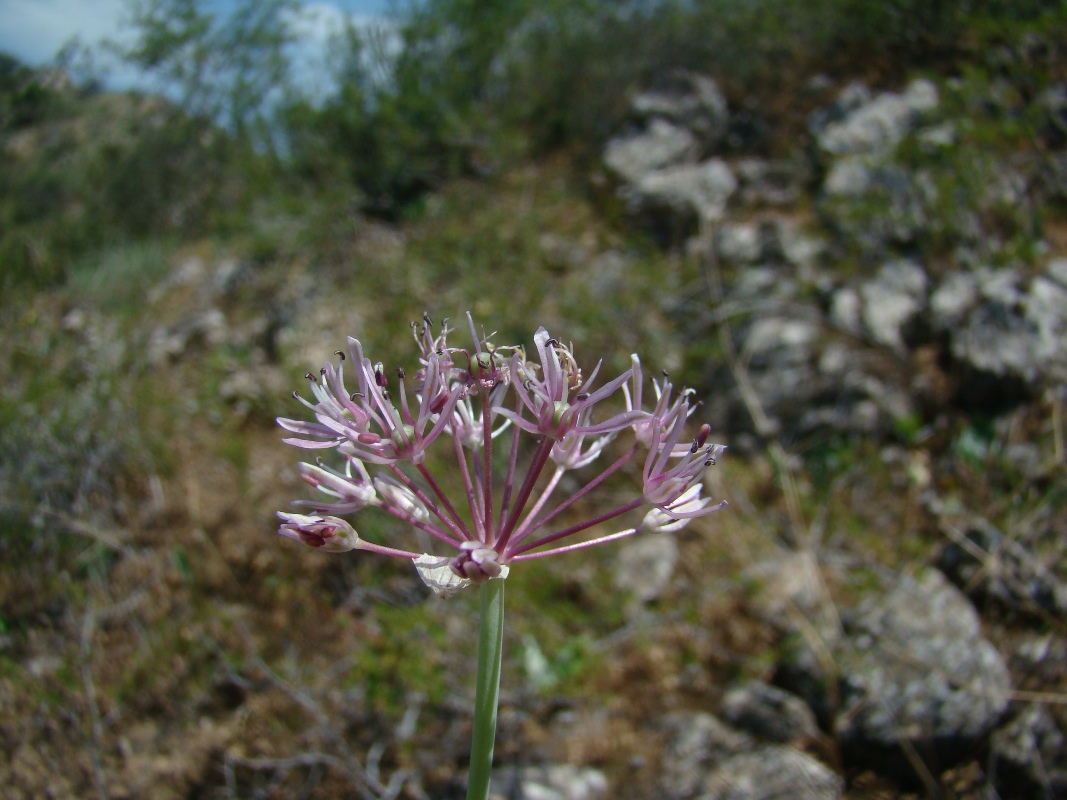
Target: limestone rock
770 773
549 782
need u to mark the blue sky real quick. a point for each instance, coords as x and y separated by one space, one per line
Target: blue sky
34 30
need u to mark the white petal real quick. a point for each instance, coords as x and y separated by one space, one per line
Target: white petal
436 574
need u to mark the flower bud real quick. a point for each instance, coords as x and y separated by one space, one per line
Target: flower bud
329 534
476 562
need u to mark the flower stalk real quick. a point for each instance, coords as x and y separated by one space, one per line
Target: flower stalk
487 695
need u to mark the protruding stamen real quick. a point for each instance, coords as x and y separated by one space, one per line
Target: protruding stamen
311 377
340 354
400 373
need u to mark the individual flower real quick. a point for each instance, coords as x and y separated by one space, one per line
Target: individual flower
352 491
331 534
679 513
560 400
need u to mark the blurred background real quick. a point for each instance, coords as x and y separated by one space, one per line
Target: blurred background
842 222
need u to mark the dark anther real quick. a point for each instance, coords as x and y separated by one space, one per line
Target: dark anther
440 351
582 396
322 371
695 447
710 462
553 342
379 377
386 395
296 395
311 377
340 354
426 319
400 373
666 374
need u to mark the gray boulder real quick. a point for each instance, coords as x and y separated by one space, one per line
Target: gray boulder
696 744
738 243
1004 327
769 713
690 100
915 674
661 144
893 301
1003 570
877 126
680 196
549 782
1029 756
772 773
810 379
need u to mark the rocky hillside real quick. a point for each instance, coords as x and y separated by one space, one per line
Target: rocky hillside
875 318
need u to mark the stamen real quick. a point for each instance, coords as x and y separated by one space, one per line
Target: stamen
311 377
340 353
702 437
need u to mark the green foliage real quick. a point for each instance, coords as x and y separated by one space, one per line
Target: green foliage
406 657
99 170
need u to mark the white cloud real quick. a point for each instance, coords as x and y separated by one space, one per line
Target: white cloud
35 30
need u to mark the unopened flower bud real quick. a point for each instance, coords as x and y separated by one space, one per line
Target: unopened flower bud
329 534
476 562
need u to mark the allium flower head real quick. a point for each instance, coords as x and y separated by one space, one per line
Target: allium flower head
460 401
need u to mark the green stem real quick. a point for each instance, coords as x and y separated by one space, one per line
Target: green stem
490 648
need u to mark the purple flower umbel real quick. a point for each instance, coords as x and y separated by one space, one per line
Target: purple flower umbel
469 398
